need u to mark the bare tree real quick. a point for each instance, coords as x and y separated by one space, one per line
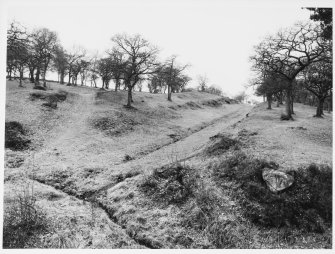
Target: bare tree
173 75
44 45
73 57
17 50
140 59
319 81
240 97
60 63
203 82
288 53
117 66
103 69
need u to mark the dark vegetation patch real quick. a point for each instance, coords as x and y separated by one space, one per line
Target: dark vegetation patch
15 136
245 133
54 196
221 143
14 161
298 128
192 105
175 137
92 172
284 117
212 103
172 184
307 204
127 157
40 88
51 98
115 125
54 96
123 176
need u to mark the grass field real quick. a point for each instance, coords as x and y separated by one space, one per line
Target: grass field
100 175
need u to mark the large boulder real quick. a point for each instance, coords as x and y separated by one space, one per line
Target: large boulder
277 180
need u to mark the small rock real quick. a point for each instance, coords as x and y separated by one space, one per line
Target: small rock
277 180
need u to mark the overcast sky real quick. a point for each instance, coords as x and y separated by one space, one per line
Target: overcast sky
215 37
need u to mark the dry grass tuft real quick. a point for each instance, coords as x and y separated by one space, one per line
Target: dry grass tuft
24 221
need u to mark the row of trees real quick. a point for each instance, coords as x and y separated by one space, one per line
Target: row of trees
130 61
295 61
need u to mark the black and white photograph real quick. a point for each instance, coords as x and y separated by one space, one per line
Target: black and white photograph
165 124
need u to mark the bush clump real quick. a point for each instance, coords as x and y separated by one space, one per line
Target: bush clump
24 221
15 136
221 144
115 125
170 184
307 204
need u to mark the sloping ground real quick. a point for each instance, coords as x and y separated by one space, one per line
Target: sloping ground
121 167
69 144
292 144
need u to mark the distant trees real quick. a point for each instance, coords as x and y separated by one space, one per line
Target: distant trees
60 63
203 82
73 58
17 50
288 53
103 69
271 86
130 62
168 76
214 90
240 97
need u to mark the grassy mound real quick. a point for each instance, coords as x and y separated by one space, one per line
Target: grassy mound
15 136
307 204
50 97
115 125
221 144
170 185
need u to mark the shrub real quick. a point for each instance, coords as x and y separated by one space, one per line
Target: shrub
15 136
23 220
222 144
307 204
172 184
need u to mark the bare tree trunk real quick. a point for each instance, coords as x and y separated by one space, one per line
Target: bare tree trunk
278 100
117 84
69 81
330 102
130 99
169 92
292 100
62 78
44 74
37 77
269 100
319 109
21 77
288 105
31 73
10 74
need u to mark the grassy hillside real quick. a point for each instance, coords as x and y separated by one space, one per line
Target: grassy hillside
160 175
